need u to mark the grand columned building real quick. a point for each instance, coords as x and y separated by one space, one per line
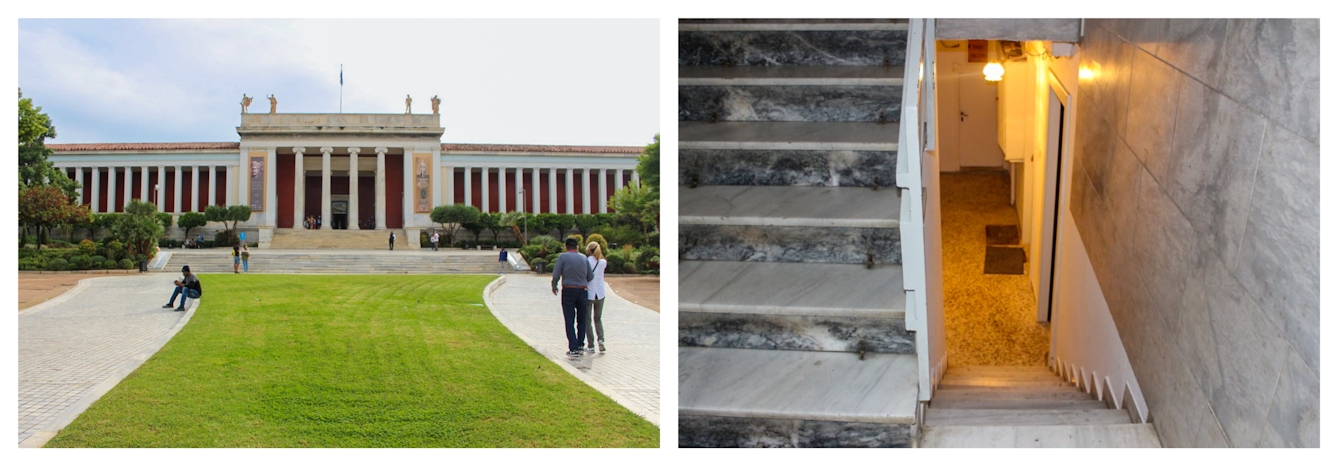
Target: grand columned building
289 167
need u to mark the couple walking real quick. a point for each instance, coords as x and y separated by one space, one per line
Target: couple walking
582 280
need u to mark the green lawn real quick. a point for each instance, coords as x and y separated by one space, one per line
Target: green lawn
351 361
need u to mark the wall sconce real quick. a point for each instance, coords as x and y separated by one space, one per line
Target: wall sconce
994 70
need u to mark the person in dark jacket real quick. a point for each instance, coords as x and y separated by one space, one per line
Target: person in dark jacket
501 262
392 241
574 272
188 285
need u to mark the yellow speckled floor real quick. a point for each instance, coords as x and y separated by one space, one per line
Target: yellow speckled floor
990 319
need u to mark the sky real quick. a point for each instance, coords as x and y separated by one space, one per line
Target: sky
580 82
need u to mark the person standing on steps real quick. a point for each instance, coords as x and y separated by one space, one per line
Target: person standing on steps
574 272
392 241
435 238
246 258
501 262
188 286
236 257
595 296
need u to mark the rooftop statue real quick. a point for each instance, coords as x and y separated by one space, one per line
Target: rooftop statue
436 105
408 104
246 102
273 104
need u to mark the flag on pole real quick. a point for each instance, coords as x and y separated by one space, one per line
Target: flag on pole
341 75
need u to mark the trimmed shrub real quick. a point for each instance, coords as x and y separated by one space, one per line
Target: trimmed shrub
126 264
580 242
88 247
32 263
57 264
616 261
597 238
646 256
80 262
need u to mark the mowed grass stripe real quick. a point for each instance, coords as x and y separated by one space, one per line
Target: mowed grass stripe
351 361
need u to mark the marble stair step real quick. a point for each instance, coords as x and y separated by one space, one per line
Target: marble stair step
1024 417
778 102
787 167
1007 395
1001 380
797 385
1014 403
796 289
795 333
790 75
788 135
1086 436
801 43
806 224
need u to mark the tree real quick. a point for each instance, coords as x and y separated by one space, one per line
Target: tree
191 220
648 165
139 228
638 203
493 223
232 213
544 224
47 206
519 222
585 223
238 214
564 223
453 217
35 168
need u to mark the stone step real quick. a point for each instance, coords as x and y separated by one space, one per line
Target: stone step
795 289
1024 417
1001 370
798 43
286 238
1012 394
952 378
790 224
369 262
1081 436
854 168
788 135
836 102
1013 403
791 76
743 397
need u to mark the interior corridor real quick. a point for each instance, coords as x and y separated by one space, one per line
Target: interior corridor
990 319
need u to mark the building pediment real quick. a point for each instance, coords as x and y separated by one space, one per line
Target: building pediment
326 125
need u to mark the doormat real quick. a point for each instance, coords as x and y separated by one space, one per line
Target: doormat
1004 261
1001 234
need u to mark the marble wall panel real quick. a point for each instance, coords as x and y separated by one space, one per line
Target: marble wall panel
789 103
1194 46
800 333
1153 89
1145 33
837 245
1293 419
1211 176
1279 253
1165 250
1109 60
829 434
1272 66
787 167
735 432
782 48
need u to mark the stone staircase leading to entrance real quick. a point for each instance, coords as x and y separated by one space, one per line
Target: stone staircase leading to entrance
421 261
792 328
994 407
298 238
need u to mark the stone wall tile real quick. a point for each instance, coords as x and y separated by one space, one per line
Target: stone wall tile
1272 66
1211 176
1153 91
1164 250
1194 46
1293 418
1279 254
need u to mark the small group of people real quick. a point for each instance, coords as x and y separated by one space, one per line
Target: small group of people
312 222
241 255
582 278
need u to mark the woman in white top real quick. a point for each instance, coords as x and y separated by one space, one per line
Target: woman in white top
595 297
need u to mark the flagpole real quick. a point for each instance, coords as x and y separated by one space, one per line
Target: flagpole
341 88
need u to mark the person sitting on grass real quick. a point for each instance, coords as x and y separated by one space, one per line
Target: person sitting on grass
188 286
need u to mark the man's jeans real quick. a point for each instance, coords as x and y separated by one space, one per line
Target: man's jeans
574 314
192 294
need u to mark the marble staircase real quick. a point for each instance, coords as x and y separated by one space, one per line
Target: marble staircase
352 239
999 407
219 260
792 326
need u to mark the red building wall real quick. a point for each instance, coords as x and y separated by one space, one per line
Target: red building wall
284 172
394 191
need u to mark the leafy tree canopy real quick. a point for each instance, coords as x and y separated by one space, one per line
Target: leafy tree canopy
453 217
35 169
648 165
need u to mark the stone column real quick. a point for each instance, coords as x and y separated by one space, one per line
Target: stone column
552 190
299 187
232 186
381 188
406 200
603 191
79 178
176 189
520 185
271 217
534 182
486 195
571 203
353 187
144 183
469 185
213 184
111 189
585 191
636 179
129 183
448 180
617 180
96 173
325 187
162 188
195 188
501 189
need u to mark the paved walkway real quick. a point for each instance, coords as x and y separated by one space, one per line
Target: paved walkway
629 372
77 346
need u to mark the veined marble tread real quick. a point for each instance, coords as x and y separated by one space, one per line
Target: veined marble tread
1089 436
788 135
1024 417
790 75
800 385
794 25
788 288
795 206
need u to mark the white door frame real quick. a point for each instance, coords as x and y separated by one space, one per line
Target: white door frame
1058 176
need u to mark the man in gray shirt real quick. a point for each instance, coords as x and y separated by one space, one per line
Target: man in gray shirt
574 272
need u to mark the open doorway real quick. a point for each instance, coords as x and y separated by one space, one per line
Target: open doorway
1057 139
